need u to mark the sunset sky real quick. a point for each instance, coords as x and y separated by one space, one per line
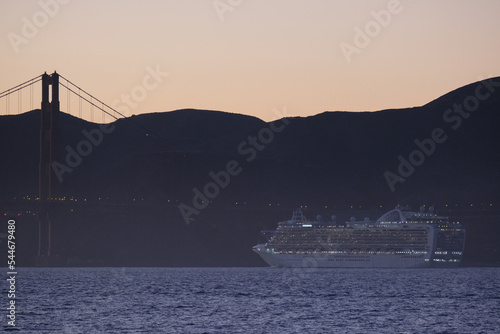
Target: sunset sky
253 56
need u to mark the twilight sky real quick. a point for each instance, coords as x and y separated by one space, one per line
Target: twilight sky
252 56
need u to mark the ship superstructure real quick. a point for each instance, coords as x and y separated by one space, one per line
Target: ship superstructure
398 239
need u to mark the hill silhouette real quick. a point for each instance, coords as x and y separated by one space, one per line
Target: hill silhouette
445 153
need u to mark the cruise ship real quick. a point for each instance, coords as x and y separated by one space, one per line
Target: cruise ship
398 239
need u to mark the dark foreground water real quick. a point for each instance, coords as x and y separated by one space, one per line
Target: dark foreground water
256 300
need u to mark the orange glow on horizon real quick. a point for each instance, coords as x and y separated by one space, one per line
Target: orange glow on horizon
256 57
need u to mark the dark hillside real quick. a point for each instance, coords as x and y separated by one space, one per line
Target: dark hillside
128 189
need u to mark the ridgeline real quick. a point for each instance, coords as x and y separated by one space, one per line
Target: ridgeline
195 187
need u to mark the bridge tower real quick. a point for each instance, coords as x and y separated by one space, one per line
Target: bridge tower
48 183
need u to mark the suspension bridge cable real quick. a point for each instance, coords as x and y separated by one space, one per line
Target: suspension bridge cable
31 97
68 105
87 100
32 81
80 89
37 77
17 88
101 109
91 110
104 104
79 104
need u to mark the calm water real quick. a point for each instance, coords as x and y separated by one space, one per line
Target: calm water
256 300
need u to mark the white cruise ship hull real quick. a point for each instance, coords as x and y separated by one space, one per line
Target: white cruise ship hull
398 239
328 260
